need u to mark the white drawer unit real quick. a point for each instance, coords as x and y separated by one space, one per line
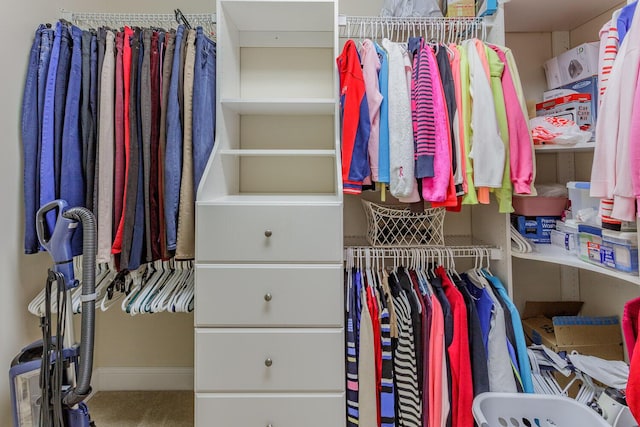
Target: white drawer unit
285 359
275 410
268 233
268 295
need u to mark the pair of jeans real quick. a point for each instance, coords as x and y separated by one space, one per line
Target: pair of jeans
31 122
106 148
72 184
154 189
167 66
145 122
173 151
60 103
204 104
133 163
185 241
46 169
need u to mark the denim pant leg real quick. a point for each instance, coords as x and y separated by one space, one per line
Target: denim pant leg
29 133
185 241
145 121
167 65
204 104
154 190
138 239
62 83
173 151
47 149
72 180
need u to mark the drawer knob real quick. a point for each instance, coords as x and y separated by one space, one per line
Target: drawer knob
268 362
268 297
268 233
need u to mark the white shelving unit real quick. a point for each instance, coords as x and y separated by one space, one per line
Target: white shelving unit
269 340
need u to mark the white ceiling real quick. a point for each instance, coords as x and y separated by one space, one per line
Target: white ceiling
547 15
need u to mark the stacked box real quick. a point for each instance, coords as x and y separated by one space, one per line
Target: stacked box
535 228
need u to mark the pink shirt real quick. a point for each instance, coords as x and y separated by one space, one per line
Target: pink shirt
520 153
436 361
370 69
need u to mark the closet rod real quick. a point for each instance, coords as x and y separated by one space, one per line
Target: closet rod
431 251
118 19
375 26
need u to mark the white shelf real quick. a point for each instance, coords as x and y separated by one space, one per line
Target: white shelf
304 106
275 199
557 255
279 153
555 148
280 16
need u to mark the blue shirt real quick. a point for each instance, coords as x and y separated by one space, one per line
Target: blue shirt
383 149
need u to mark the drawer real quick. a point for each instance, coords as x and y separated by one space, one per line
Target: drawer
259 410
269 233
251 360
269 295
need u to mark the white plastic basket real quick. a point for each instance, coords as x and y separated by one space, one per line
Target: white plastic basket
532 410
398 226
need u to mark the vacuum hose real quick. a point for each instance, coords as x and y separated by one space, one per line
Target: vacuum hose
83 383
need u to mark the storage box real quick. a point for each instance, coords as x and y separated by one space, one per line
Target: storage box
556 325
486 7
535 228
619 250
576 107
573 65
458 8
585 86
565 236
539 206
584 208
589 242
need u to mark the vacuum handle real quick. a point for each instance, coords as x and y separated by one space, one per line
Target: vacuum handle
58 243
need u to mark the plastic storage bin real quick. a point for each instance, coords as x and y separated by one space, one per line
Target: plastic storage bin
543 410
539 206
583 207
620 251
590 241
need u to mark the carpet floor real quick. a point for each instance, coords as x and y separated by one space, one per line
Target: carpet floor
142 408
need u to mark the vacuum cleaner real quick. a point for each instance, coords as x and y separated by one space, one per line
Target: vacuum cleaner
51 378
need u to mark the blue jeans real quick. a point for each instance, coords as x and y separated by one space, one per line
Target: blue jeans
173 153
204 104
138 238
72 186
32 104
46 169
60 103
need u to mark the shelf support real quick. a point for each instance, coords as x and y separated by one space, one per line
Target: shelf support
569 283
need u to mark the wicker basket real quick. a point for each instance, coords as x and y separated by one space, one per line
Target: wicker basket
400 227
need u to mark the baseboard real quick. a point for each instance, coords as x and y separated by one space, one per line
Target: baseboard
112 379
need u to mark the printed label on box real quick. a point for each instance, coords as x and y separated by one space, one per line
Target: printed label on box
593 251
607 256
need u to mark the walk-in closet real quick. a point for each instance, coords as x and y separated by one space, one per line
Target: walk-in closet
259 258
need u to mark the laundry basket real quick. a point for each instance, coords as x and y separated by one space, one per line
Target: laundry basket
532 410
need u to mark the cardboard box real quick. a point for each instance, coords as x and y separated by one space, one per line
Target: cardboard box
556 325
576 107
458 8
535 228
575 64
585 86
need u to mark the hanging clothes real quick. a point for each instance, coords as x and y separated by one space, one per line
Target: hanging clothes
114 111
